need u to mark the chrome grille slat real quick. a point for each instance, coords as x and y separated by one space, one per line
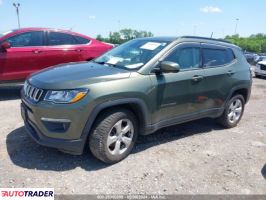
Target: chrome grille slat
28 90
35 94
40 94
32 92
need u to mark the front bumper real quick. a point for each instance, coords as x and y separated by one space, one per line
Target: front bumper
74 147
71 141
258 71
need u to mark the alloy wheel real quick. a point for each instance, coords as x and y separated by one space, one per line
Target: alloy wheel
235 111
120 137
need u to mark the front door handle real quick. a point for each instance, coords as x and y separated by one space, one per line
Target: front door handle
78 50
197 78
230 72
36 51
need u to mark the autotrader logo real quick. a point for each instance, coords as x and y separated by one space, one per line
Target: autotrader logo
26 193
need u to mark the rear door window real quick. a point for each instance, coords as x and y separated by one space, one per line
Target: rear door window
217 56
57 38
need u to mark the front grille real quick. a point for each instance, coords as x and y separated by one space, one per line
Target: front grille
263 67
32 93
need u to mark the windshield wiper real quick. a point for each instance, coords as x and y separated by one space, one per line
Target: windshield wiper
101 63
106 63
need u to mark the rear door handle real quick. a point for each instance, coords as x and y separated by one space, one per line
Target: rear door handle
78 50
36 51
230 72
197 78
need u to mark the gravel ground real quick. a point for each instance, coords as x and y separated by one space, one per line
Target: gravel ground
193 158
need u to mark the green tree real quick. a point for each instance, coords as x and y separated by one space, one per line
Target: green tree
99 37
263 46
254 43
124 35
115 37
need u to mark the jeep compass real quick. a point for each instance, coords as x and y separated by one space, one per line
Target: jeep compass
136 88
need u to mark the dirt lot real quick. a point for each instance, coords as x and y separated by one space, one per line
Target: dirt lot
198 157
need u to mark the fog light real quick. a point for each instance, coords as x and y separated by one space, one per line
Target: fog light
56 125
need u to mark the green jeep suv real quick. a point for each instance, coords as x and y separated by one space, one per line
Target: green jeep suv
136 88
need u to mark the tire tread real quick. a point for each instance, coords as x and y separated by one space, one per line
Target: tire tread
102 126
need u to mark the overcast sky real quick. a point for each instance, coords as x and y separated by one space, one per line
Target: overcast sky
161 17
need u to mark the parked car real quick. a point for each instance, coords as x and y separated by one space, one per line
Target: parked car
136 88
260 69
259 58
28 50
251 57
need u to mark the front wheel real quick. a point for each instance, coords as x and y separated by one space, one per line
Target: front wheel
233 112
114 135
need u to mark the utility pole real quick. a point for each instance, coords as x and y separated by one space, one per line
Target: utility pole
236 25
17 5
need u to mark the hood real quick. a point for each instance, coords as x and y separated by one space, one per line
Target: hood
75 75
263 62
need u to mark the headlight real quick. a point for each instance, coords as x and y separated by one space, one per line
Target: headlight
65 96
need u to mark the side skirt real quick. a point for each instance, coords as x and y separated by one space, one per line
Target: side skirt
211 113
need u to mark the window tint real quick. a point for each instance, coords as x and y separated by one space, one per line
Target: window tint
231 55
216 57
186 58
81 40
56 38
27 39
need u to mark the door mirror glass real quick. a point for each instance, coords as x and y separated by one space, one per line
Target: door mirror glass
169 67
5 45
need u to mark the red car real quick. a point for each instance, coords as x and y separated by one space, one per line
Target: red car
28 50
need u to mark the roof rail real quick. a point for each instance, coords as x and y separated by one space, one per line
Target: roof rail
206 38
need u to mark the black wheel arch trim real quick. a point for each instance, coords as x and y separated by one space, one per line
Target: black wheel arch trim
240 87
109 104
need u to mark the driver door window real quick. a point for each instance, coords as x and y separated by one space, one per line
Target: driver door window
187 57
28 39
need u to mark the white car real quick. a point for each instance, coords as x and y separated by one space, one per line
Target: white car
260 69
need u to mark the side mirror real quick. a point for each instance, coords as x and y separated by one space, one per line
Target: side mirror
5 45
168 67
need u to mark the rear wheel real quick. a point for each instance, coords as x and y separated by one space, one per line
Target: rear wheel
114 135
233 112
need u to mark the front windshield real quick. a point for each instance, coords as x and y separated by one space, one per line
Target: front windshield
133 54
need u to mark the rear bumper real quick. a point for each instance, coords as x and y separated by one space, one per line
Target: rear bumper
70 146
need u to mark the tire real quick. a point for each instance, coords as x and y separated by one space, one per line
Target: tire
228 119
257 76
109 140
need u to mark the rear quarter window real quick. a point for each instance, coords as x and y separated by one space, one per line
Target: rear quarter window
81 40
217 57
